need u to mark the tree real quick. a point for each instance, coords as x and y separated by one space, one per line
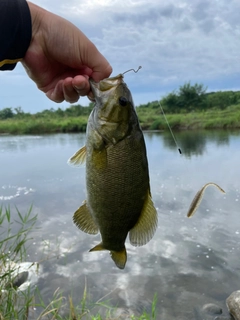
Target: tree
170 102
6 113
190 97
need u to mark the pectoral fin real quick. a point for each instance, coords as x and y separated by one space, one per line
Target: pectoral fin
84 221
119 257
79 157
146 226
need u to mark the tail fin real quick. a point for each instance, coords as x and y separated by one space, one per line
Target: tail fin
119 257
98 247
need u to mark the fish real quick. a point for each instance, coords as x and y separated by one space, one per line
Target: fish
198 198
119 201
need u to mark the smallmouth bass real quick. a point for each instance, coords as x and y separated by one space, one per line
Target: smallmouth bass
117 178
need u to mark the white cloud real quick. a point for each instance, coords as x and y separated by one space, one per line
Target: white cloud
174 41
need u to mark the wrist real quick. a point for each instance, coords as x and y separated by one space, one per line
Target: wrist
36 13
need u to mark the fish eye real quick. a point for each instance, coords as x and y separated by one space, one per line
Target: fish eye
122 101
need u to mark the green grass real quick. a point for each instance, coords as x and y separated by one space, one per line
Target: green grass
19 305
43 125
212 119
13 246
149 118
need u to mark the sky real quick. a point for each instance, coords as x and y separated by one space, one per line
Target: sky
175 41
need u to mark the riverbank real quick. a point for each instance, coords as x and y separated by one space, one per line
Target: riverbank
228 118
150 119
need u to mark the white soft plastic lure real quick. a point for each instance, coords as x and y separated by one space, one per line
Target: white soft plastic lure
198 198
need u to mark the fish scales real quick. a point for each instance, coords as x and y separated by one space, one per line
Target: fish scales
126 180
117 178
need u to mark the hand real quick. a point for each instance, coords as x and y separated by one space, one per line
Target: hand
60 58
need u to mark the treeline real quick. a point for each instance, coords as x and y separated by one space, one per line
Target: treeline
186 99
195 98
71 111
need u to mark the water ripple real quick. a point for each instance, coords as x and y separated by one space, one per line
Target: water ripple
9 192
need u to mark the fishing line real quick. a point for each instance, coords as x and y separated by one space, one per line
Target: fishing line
140 67
180 151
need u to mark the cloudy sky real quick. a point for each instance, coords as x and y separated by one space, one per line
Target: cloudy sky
175 41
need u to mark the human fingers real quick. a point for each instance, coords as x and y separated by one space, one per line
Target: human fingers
91 96
69 89
99 65
69 92
100 73
56 94
81 84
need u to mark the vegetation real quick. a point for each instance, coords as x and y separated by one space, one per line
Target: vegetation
73 119
13 250
16 304
194 98
212 119
190 107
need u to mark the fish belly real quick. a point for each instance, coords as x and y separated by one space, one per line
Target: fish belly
117 188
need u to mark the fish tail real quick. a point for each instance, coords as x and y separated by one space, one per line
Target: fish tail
119 257
98 247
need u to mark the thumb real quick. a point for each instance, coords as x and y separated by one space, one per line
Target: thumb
99 65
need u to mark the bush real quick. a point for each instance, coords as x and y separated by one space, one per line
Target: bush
6 113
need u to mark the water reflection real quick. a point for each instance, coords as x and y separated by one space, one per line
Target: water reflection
188 263
24 143
8 192
195 142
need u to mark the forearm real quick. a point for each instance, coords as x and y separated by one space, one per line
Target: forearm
16 32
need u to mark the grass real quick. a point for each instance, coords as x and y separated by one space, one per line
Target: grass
149 118
85 310
13 246
43 125
15 304
229 118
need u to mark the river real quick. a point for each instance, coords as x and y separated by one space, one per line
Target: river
188 263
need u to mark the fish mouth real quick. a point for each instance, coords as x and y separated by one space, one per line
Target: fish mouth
105 84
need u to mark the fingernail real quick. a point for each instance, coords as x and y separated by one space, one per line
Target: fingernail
80 86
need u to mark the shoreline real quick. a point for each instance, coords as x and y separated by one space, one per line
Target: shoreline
151 120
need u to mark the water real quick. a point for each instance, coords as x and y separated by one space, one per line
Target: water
188 263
